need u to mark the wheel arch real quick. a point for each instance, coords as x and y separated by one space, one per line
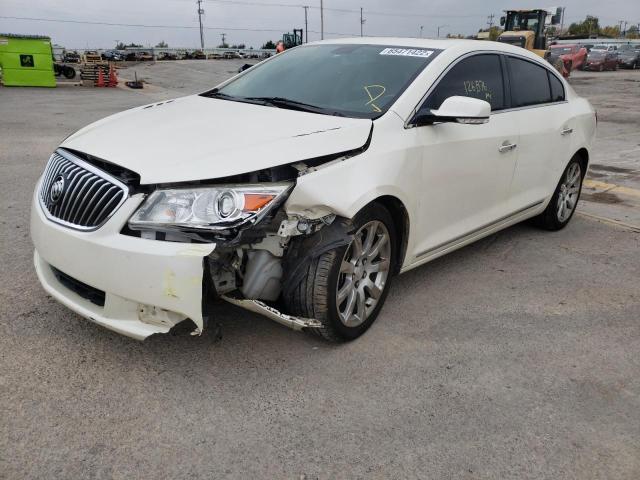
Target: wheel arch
401 224
583 155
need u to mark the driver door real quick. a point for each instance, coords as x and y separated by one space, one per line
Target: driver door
466 169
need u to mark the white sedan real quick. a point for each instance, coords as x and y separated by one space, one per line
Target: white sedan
299 188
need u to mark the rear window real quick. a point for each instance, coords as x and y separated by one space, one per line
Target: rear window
529 83
562 49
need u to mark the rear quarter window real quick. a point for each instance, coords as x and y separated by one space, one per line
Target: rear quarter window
557 89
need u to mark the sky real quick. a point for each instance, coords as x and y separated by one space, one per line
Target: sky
253 22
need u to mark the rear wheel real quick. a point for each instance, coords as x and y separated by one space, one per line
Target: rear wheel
68 72
563 204
346 287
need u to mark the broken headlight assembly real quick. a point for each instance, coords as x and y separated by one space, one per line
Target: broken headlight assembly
208 208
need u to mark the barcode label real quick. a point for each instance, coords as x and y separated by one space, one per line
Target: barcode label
407 52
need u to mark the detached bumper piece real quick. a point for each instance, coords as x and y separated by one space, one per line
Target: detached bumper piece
261 308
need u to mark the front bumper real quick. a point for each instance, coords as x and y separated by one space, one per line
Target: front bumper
149 285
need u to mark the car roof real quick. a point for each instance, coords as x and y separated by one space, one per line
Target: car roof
453 46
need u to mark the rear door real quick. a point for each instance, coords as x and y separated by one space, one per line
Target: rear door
540 109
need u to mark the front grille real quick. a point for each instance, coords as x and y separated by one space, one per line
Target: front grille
95 296
76 194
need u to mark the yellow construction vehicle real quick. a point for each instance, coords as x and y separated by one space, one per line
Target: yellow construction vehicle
527 29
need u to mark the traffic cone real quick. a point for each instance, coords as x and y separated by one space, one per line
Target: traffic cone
113 80
100 78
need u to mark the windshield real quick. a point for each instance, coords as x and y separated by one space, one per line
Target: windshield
350 80
517 41
522 21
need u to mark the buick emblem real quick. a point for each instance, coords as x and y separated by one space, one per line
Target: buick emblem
56 189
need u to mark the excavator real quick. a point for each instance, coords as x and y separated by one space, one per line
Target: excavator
527 29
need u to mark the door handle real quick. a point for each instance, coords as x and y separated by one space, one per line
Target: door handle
507 147
566 131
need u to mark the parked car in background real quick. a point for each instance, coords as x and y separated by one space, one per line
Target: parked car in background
167 56
391 154
604 47
71 57
629 56
573 56
602 57
144 57
112 55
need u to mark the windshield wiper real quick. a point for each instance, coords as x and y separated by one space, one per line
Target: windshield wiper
281 102
215 93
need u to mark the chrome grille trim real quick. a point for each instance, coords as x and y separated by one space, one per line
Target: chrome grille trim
89 198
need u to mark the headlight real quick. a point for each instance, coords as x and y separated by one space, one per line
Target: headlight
207 208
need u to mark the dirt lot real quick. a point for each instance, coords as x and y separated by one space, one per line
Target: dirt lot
516 357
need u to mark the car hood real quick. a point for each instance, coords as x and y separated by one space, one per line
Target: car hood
199 138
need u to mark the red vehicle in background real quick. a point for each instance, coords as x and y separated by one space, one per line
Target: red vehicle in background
602 57
573 56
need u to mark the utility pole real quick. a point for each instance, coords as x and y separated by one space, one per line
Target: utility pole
362 20
562 20
421 28
306 26
439 27
490 21
200 13
224 36
321 20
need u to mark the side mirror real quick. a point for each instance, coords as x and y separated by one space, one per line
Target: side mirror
502 21
457 109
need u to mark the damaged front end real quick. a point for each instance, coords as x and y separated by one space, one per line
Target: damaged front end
258 257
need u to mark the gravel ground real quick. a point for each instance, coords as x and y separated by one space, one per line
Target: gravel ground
515 357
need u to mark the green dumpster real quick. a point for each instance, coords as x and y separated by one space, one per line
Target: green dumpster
26 61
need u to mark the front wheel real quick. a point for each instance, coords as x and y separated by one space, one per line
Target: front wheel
563 204
345 288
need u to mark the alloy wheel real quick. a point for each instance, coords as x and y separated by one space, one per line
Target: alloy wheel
363 273
569 191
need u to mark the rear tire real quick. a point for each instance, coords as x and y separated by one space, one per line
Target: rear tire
69 72
346 301
564 201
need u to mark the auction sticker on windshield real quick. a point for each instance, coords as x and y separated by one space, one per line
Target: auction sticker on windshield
407 52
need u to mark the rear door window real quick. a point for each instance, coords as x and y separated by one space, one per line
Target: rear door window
529 83
479 76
